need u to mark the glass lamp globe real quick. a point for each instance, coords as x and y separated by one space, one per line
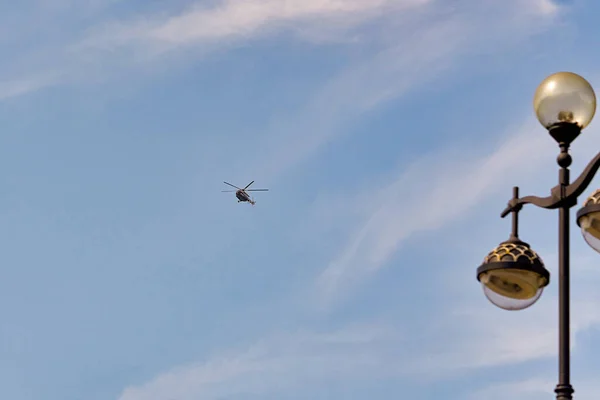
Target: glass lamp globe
565 97
512 289
513 276
588 219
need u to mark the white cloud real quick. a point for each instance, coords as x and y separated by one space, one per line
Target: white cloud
447 344
473 334
393 214
109 47
432 203
545 6
249 18
361 87
504 338
202 29
19 87
413 26
416 50
276 363
455 344
244 19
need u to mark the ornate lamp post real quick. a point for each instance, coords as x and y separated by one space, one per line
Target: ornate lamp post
513 276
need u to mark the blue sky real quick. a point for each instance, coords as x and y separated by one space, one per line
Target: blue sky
390 134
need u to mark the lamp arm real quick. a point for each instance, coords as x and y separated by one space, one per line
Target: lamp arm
575 189
550 202
559 195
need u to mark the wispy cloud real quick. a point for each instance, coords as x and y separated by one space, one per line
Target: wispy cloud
479 335
428 204
454 345
450 344
94 48
278 362
250 18
16 88
391 214
389 74
408 51
530 338
245 19
105 47
455 341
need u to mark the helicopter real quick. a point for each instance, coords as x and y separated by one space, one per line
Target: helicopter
242 194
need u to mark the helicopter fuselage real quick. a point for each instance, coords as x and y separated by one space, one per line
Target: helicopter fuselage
242 196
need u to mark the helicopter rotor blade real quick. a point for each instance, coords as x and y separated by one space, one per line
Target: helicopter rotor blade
227 183
257 190
248 185
228 191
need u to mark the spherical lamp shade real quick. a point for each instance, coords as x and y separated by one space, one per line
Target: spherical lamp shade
565 97
513 276
588 219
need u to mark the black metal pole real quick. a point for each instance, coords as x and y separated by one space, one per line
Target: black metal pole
564 390
514 235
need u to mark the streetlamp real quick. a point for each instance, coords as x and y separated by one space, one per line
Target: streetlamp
513 276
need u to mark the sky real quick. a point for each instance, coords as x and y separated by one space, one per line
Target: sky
389 133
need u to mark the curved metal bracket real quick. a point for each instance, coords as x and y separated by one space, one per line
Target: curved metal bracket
549 202
575 189
560 195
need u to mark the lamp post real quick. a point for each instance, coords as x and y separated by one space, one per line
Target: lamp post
513 276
